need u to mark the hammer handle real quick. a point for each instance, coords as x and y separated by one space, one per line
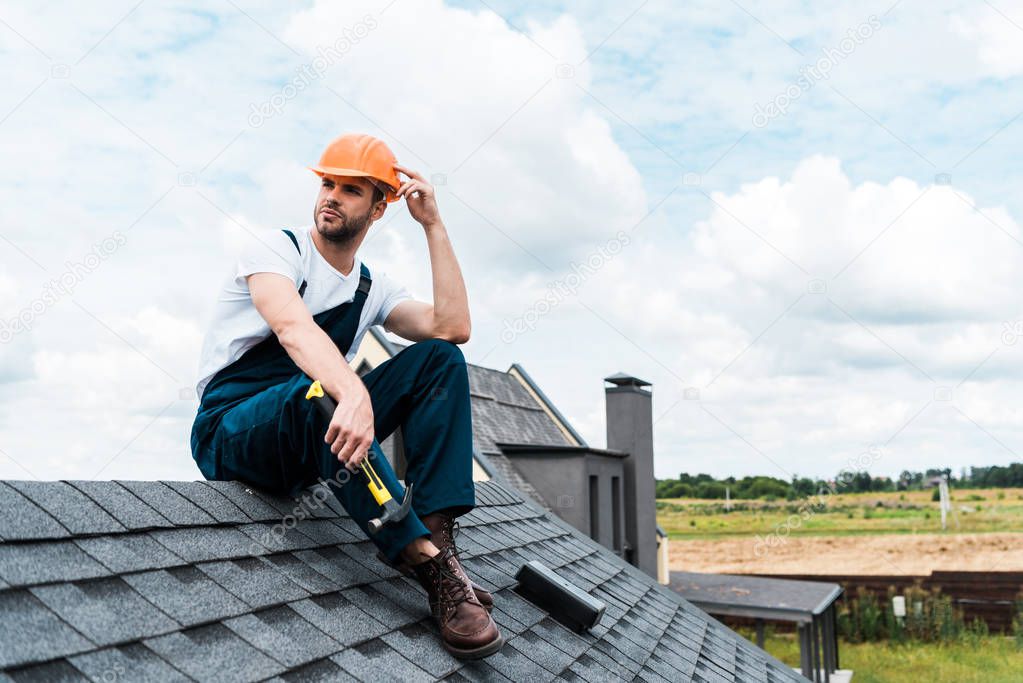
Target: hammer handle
326 406
324 403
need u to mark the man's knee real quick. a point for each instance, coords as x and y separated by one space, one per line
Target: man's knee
441 349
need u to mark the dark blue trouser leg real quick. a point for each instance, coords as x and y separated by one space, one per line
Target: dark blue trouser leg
274 440
425 390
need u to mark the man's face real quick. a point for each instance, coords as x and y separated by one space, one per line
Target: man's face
344 207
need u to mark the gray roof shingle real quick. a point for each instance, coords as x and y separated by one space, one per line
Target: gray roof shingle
134 662
27 564
24 519
106 611
376 660
33 633
187 595
69 506
214 652
128 552
285 635
171 504
122 505
258 583
165 581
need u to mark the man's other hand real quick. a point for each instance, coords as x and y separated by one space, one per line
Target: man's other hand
350 433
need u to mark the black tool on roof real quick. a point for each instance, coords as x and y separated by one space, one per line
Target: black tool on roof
393 512
564 601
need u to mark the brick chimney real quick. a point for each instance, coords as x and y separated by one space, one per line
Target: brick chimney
630 428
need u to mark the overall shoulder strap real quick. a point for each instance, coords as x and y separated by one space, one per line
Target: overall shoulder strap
341 323
291 236
353 314
294 240
365 282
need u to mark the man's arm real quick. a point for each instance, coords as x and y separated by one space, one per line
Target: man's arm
448 316
351 429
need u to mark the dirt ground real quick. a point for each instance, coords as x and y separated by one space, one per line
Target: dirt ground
915 554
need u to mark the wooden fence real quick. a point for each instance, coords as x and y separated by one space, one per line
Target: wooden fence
990 596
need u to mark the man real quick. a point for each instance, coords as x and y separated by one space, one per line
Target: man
294 310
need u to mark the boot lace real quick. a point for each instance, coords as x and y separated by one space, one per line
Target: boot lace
453 589
449 528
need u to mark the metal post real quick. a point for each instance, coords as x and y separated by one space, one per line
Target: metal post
821 619
834 634
804 651
814 636
760 633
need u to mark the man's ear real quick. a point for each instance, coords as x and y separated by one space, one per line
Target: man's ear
378 210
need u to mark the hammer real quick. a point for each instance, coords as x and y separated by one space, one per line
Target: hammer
392 511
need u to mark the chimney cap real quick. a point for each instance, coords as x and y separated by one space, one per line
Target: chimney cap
620 379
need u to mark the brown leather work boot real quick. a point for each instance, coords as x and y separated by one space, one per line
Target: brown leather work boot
467 630
443 528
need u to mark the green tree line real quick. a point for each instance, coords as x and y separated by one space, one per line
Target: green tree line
773 488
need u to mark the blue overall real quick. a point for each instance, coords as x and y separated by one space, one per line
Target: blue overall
255 425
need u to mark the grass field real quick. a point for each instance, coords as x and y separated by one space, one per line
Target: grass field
859 533
991 660
977 510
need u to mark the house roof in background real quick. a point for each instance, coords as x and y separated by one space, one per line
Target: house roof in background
199 580
515 367
503 411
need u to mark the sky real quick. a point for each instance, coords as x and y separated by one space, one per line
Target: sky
801 225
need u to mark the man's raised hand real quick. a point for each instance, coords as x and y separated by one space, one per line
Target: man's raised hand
420 197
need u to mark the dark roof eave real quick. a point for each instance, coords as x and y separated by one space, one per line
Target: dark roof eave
513 449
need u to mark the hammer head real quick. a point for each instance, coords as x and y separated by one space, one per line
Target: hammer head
392 512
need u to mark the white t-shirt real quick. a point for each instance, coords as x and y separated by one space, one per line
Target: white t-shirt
237 326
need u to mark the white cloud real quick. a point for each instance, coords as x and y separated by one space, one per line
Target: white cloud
106 406
995 33
900 250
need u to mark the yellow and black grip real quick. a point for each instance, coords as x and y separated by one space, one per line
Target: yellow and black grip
326 405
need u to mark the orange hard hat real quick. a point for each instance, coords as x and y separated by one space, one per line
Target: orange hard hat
357 154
